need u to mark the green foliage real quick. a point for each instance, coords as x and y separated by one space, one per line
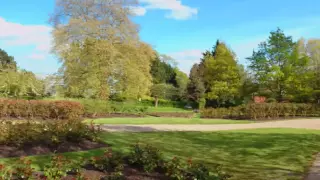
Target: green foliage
109 162
182 81
7 63
145 157
221 75
20 84
161 71
279 67
263 111
195 87
58 168
40 109
164 91
23 169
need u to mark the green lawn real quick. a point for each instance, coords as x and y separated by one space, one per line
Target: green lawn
162 120
262 154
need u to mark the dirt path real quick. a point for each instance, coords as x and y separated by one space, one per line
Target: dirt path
300 123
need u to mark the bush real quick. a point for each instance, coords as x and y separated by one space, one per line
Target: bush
263 111
94 108
40 109
50 133
146 157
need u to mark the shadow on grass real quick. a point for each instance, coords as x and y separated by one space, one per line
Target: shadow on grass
255 155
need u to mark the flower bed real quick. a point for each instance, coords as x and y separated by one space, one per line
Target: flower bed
32 138
143 162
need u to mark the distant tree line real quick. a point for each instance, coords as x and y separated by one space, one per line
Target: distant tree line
103 58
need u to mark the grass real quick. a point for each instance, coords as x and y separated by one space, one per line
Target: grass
163 120
262 154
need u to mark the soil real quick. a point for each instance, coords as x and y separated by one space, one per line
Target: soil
40 149
130 173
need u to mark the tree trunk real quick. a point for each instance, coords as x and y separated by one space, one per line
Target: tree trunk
156 101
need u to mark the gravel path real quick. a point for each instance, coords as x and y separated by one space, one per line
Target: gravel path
300 123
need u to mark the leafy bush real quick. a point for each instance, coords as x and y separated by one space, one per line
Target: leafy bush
58 168
176 170
110 161
40 109
263 111
145 157
49 133
93 108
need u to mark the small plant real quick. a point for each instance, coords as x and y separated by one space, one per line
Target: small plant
58 168
5 174
109 162
146 157
23 169
174 169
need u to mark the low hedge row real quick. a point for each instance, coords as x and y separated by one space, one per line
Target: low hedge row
96 108
40 109
263 111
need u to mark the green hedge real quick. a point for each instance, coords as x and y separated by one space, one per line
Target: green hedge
263 111
100 107
40 109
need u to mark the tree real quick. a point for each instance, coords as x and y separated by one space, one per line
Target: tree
311 48
195 87
7 62
163 91
182 81
100 49
161 71
221 76
276 65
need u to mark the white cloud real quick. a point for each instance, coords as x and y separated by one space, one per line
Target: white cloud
37 56
176 9
187 58
139 11
15 34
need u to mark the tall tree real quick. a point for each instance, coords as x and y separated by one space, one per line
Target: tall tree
161 71
100 49
195 87
7 62
182 81
276 65
221 77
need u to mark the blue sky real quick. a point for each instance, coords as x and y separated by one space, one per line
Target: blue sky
180 28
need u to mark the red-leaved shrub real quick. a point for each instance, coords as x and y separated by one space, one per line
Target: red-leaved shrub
40 109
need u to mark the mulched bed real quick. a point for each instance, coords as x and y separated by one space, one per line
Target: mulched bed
129 172
40 149
113 115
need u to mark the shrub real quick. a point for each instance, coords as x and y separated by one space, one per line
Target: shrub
49 133
263 111
109 162
40 109
145 157
58 168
